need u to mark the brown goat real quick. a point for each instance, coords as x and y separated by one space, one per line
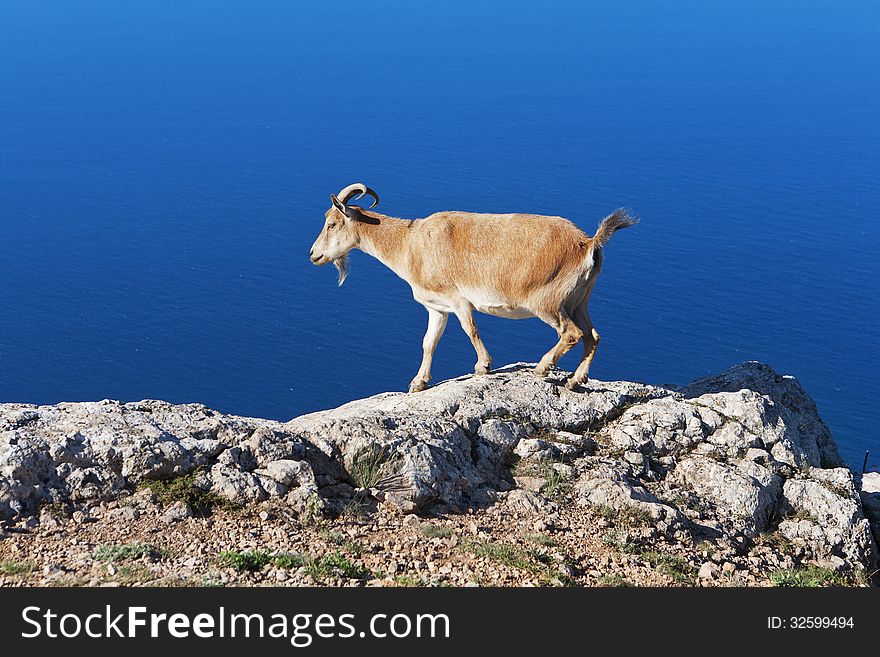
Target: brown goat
508 265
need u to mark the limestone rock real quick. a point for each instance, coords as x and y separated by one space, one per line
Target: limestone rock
725 457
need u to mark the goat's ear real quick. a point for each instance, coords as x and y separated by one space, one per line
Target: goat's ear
337 203
355 213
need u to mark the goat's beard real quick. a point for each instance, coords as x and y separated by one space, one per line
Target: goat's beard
341 265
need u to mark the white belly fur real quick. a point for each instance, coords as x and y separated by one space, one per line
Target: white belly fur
486 302
481 301
506 311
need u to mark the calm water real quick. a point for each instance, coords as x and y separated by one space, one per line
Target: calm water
164 170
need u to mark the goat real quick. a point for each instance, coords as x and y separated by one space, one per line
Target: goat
507 265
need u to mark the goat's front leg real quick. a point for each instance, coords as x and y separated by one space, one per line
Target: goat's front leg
436 325
484 360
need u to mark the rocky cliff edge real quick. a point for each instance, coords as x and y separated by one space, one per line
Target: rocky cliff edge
732 458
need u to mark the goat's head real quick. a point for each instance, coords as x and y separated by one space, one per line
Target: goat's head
340 233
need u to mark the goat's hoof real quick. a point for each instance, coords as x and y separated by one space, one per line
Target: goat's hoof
540 372
573 384
481 370
418 386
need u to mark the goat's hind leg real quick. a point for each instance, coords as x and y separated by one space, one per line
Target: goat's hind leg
436 325
569 335
591 342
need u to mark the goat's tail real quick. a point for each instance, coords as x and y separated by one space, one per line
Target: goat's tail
618 219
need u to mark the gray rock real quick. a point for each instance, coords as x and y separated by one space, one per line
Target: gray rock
727 454
125 513
533 484
826 514
527 502
745 493
608 486
176 512
289 473
869 493
236 485
49 520
708 570
797 419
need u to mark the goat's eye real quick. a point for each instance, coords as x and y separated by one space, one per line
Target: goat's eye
331 226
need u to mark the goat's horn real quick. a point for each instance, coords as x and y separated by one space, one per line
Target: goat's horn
347 193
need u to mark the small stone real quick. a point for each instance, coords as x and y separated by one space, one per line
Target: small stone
531 484
52 571
566 570
176 512
265 515
412 522
708 570
526 502
564 470
401 503
728 568
48 520
125 513
833 562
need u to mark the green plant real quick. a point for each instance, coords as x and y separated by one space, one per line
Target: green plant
614 581
802 514
186 489
811 576
366 465
127 551
334 536
57 509
557 487
435 531
313 512
17 567
132 574
335 563
626 515
409 581
541 539
672 566
622 541
778 540
356 509
251 560
288 560
339 538
531 561
256 559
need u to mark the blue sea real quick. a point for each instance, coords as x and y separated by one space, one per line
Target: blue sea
165 167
